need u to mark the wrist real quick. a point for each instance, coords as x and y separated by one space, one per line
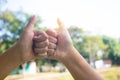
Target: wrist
68 54
16 54
72 57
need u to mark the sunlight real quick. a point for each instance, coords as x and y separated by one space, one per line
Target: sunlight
100 17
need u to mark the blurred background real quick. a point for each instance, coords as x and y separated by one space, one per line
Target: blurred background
94 26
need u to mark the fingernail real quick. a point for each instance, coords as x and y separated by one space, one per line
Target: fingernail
59 22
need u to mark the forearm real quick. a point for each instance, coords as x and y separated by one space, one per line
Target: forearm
8 62
78 67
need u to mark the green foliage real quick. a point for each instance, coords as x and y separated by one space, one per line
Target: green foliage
88 46
111 73
11 27
111 76
50 61
113 50
13 23
77 35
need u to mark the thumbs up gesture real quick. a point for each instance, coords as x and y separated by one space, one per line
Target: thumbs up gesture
59 42
36 43
25 43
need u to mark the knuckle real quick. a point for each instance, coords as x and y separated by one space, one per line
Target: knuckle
45 35
52 46
46 43
36 50
51 32
50 52
52 39
44 49
42 54
40 50
41 44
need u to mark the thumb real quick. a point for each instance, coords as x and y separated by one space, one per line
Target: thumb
60 24
31 23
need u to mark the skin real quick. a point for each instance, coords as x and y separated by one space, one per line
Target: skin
22 50
52 44
65 52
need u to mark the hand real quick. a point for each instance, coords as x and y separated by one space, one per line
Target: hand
52 37
64 51
40 43
64 42
25 43
60 43
50 43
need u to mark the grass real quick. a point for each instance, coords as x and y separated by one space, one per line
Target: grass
42 76
108 74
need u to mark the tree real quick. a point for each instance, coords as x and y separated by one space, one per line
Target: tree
113 50
92 45
11 27
77 35
87 45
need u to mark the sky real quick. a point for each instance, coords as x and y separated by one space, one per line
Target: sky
100 17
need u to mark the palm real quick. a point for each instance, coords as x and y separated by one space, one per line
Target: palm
26 45
64 42
25 42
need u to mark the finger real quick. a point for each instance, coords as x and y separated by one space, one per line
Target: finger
60 24
38 32
52 39
62 29
40 36
41 44
52 33
31 23
50 52
42 54
40 50
52 46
